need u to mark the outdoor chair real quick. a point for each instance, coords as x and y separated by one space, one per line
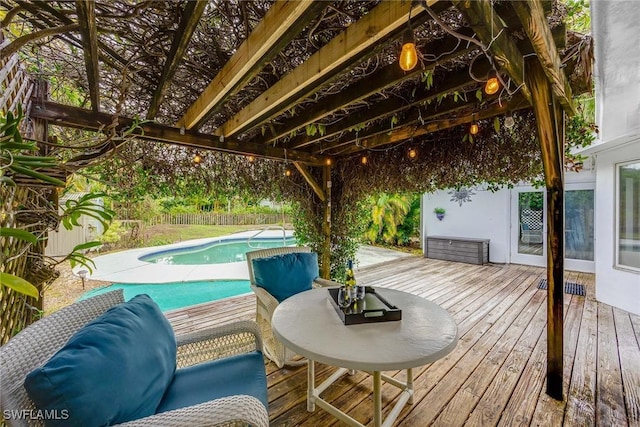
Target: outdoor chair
275 274
105 362
531 226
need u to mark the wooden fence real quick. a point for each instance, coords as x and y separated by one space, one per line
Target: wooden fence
210 218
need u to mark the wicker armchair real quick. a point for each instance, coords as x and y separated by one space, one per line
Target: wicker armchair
36 344
266 304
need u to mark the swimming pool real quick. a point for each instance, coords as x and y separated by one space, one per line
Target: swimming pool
171 296
218 252
186 273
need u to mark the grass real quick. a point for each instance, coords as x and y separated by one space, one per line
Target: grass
156 235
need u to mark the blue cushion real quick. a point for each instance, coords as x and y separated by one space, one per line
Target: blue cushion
242 374
287 274
115 369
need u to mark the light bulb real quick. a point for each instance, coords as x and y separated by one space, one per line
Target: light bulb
287 172
197 159
251 158
474 129
328 162
509 122
412 153
492 85
409 54
364 160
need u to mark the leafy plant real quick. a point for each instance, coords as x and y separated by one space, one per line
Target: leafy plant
439 210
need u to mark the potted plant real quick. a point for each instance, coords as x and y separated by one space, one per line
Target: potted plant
439 213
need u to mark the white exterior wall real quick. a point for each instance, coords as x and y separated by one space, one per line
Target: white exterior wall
485 217
617 79
489 215
614 286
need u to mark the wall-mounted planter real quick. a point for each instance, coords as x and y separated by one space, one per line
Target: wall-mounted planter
440 216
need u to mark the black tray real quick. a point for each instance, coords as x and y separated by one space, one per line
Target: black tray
376 308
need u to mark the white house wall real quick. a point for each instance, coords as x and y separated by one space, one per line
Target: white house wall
614 286
486 216
617 80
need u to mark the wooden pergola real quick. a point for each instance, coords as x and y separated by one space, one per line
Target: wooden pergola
239 109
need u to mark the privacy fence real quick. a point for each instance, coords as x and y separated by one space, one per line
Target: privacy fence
211 218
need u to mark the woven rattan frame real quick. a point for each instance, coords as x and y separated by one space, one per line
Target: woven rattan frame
266 305
37 343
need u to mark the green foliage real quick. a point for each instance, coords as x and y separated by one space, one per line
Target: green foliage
387 213
113 234
579 133
439 210
578 16
86 205
16 154
18 284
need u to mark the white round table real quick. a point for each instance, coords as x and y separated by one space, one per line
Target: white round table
308 324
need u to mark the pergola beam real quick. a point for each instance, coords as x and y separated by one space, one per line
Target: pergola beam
89 35
304 171
63 115
282 22
359 37
550 124
392 106
445 49
188 22
494 34
413 128
532 17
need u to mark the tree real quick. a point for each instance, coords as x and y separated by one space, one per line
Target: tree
388 212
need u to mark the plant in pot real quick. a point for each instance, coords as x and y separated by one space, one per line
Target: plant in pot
439 213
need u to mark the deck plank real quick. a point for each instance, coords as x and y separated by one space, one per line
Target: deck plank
610 407
496 374
629 352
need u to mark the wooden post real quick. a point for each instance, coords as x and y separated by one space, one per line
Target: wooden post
550 124
326 224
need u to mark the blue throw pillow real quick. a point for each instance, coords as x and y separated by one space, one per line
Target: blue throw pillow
287 274
115 369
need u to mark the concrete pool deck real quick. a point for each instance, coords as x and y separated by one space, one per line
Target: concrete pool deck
126 267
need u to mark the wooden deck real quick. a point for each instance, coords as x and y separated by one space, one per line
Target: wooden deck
496 374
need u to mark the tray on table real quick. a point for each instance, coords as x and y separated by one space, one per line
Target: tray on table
376 308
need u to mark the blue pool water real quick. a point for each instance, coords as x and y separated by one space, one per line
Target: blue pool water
170 296
219 252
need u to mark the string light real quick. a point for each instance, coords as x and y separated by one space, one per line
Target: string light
197 159
474 129
251 158
412 153
409 54
287 172
364 160
493 85
328 162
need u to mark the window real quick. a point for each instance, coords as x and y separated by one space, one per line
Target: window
628 215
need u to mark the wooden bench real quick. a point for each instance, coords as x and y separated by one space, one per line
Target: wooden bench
459 249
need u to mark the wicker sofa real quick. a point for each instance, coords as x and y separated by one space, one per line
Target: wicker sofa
35 347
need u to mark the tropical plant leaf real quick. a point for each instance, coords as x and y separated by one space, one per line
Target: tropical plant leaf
18 284
18 234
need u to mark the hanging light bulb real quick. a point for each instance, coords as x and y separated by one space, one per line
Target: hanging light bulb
409 54
364 160
493 84
509 122
197 159
251 158
328 162
287 172
412 153
474 129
